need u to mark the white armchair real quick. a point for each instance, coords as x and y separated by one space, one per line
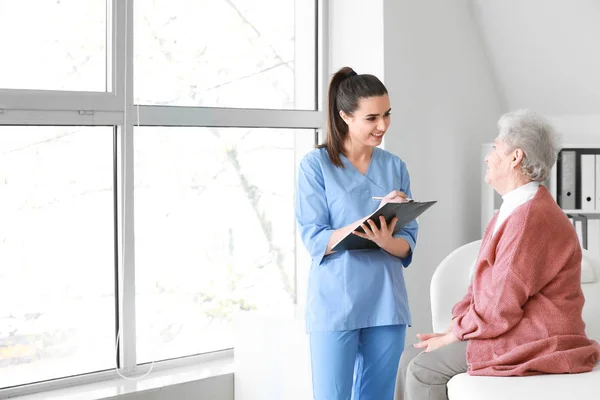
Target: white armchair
449 284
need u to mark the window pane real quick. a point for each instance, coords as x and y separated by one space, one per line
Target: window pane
226 53
56 252
53 45
215 233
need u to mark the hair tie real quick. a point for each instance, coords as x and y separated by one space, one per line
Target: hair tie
350 74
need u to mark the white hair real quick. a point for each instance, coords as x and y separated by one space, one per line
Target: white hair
532 133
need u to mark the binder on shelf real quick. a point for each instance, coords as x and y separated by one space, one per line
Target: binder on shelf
588 182
597 182
580 223
567 179
593 236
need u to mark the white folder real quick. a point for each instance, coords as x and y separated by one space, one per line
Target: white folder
598 182
594 224
588 182
578 225
593 240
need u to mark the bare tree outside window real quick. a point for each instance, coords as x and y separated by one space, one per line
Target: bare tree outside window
233 247
214 233
218 53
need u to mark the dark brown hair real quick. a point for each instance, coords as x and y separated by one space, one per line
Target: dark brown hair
346 88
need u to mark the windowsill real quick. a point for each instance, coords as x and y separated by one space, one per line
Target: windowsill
157 378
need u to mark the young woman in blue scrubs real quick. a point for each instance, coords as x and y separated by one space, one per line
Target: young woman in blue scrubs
357 306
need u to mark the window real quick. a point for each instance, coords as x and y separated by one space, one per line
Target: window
214 233
54 45
218 53
56 252
125 126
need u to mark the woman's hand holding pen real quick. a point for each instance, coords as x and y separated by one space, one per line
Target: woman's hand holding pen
381 236
395 196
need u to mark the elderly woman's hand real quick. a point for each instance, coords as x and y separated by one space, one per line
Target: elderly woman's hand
434 341
395 196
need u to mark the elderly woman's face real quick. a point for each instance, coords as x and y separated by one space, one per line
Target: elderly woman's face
498 165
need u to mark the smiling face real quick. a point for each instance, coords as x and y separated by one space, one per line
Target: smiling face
370 121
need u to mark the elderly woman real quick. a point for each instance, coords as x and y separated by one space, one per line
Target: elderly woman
522 311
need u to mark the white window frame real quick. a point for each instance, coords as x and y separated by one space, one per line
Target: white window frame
115 108
16 100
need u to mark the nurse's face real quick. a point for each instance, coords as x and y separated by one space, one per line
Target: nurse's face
370 121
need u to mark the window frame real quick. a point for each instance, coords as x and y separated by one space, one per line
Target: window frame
115 107
60 100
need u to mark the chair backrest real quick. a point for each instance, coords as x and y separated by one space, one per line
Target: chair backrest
451 279
590 274
449 283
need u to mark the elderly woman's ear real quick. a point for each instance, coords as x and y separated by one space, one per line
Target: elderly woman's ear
517 157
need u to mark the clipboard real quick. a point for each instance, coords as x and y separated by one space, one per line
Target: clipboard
406 212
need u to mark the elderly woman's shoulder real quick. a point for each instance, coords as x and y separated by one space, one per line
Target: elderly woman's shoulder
544 206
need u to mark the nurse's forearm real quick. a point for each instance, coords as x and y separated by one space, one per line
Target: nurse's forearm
338 234
397 247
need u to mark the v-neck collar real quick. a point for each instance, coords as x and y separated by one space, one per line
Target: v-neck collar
348 162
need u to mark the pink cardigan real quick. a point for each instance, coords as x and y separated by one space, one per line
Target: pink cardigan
522 311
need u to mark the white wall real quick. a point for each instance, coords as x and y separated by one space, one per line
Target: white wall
356 36
545 53
545 57
445 104
272 359
578 129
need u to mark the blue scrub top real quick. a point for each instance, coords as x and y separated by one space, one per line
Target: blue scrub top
356 288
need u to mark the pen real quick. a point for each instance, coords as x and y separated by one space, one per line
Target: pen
381 198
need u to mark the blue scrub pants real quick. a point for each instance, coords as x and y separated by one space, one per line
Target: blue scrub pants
359 364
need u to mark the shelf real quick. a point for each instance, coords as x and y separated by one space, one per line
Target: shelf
583 212
577 212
